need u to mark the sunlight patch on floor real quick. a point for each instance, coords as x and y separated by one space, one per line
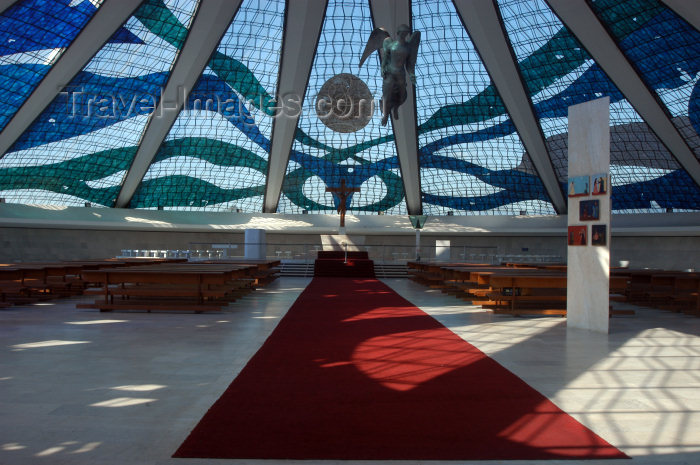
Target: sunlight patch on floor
122 402
12 446
95 322
52 343
88 447
139 387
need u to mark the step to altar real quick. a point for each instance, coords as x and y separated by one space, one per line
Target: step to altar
352 264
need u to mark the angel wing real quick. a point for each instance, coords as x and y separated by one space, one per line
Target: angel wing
375 42
413 43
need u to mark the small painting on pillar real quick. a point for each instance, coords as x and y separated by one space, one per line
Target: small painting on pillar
589 210
599 234
578 186
600 184
577 235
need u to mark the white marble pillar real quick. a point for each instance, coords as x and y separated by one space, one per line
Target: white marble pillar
255 245
442 250
588 270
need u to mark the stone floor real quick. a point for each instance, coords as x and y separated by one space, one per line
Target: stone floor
83 387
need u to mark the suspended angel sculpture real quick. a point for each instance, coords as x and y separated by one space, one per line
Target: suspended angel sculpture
398 56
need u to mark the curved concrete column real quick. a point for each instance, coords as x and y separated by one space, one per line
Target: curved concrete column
302 29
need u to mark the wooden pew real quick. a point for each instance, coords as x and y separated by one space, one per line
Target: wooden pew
466 279
665 289
519 289
23 283
426 273
674 290
195 286
439 275
266 270
686 294
525 291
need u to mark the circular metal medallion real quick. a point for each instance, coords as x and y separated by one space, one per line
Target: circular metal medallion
344 103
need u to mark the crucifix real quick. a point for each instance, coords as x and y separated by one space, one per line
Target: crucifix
343 193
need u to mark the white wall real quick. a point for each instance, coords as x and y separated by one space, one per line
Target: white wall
668 240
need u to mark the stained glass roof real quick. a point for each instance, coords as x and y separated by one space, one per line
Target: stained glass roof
471 155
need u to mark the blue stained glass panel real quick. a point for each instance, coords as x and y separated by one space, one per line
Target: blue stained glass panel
33 36
665 50
80 147
215 157
640 165
470 154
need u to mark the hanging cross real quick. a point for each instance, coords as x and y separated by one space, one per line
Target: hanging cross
343 193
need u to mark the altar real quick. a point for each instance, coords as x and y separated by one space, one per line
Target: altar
342 242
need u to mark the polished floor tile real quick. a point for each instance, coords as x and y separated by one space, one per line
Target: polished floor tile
83 387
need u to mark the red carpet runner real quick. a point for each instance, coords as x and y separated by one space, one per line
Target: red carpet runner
354 371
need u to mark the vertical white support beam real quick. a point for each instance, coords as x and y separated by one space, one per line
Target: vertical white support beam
588 266
302 29
688 10
209 25
483 23
108 18
389 15
584 24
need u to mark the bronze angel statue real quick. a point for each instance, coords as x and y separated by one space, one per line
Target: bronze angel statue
398 57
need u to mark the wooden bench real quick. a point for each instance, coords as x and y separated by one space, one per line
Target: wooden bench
23 283
525 291
676 291
519 289
665 289
266 270
193 286
466 280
